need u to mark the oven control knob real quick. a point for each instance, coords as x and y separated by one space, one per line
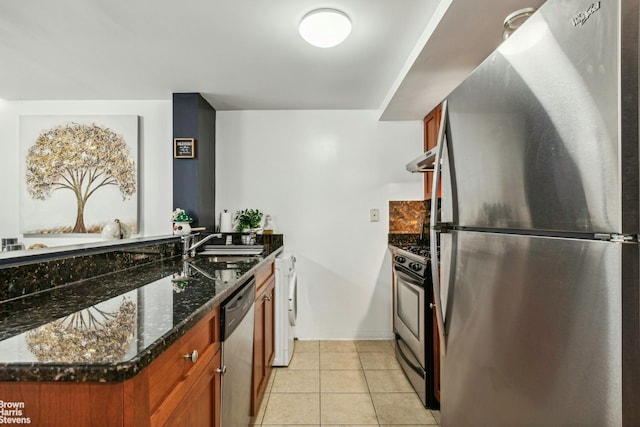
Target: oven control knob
415 266
400 259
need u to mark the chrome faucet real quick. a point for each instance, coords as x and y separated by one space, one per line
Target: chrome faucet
189 249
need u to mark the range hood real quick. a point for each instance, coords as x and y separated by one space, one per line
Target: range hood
424 162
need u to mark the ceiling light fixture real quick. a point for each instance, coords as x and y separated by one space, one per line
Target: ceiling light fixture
325 27
514 20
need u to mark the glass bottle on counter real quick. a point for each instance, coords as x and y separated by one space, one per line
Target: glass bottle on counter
268 225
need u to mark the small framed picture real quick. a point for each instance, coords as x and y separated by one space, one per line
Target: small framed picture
184 148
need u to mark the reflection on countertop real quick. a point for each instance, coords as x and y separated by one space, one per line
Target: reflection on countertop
109 327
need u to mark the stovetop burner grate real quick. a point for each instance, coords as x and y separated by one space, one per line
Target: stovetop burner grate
418 250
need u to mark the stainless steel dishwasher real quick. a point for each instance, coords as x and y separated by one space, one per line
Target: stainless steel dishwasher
236 323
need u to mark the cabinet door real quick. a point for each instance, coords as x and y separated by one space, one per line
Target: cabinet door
170 373
258 354
269 327
263 342
184 391
431 128
217 390
198 407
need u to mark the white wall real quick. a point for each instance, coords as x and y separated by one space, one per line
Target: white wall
155 167
318 173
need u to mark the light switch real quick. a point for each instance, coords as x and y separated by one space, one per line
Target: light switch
374 215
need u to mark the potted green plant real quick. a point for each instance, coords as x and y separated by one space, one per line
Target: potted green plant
248 220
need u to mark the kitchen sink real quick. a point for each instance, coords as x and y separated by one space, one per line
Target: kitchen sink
232 250
229 259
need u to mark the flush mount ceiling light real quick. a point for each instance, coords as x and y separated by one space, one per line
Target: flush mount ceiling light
514 20
325 27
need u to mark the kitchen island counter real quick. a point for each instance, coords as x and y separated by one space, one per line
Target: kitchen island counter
110 327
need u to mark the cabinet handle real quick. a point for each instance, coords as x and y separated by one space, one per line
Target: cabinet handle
267 297
193 356
221 371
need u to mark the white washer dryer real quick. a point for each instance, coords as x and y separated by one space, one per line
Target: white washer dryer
286 308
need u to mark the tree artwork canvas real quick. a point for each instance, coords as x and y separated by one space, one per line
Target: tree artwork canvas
78 173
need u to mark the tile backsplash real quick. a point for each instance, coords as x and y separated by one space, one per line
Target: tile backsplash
407 216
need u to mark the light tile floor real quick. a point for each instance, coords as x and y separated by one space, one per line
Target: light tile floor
335 383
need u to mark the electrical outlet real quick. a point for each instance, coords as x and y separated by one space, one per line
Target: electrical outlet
374 215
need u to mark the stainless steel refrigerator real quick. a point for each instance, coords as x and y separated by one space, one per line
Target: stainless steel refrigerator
538 296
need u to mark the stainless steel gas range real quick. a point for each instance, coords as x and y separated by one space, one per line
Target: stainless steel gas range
413 322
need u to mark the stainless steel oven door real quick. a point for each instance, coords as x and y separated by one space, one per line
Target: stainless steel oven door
409 312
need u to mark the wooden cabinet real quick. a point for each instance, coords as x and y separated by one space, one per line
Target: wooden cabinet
52 404
263 341
184 385
200 407
431 128
172 391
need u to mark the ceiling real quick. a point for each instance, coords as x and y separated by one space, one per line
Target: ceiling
402 57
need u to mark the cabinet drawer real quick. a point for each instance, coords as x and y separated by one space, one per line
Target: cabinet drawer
196 409
263 275
172 367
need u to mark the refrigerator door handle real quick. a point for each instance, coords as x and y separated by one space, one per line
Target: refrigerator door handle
435 256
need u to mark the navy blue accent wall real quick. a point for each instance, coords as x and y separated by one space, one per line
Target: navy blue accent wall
194 179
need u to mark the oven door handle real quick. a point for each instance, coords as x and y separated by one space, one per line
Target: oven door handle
408 279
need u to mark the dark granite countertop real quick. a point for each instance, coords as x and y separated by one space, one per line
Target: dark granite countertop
110 327
397 240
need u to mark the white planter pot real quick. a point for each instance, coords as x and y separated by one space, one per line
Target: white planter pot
181 228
